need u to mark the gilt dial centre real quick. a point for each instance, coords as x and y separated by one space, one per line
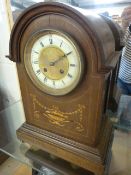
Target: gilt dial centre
54 60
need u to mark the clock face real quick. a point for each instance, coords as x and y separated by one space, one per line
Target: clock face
53 62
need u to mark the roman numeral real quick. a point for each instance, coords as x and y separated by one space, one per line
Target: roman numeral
45 79
61 43
35 62
54 83
36 52
72 65
63 82
51 40
41 44
69 75
38 71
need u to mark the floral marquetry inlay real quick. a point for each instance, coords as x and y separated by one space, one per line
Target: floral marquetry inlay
55 116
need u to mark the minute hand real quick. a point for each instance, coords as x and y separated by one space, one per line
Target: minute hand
59 59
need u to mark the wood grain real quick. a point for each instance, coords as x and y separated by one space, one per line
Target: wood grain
97 38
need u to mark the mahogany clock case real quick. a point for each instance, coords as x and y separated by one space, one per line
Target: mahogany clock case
73 126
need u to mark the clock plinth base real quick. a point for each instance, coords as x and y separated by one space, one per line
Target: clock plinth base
95 159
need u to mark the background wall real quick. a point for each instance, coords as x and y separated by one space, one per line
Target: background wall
10 94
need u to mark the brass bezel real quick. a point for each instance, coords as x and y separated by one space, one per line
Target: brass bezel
30 71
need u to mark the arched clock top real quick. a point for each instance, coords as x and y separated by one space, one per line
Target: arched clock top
91 32
67 63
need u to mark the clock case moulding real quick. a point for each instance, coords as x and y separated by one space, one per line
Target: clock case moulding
78 129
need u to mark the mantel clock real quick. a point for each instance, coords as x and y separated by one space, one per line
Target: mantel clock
67 61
